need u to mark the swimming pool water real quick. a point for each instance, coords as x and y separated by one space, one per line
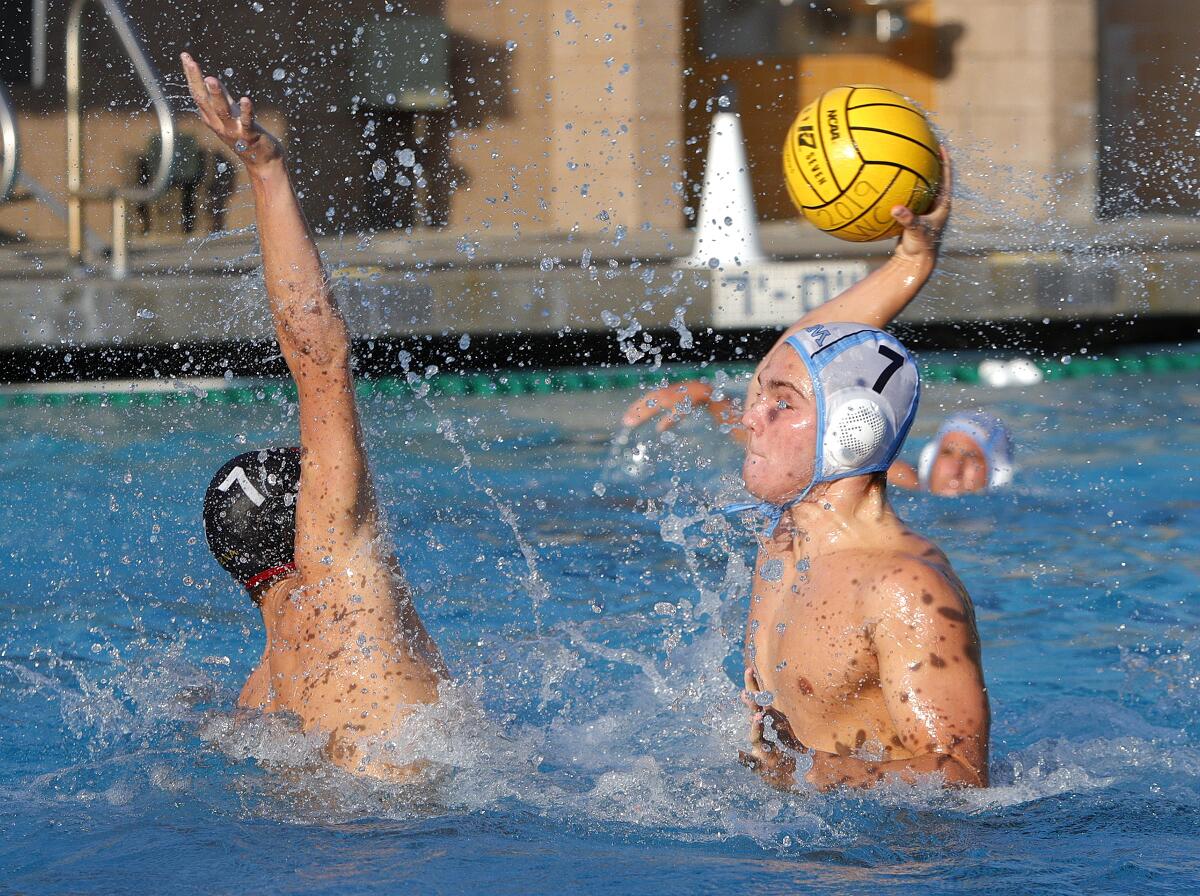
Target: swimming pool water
590 606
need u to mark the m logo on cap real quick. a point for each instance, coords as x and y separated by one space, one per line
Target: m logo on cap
819 334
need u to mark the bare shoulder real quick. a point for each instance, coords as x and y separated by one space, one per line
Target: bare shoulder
363 571
914 579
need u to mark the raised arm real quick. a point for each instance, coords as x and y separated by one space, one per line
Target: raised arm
878 298
336 513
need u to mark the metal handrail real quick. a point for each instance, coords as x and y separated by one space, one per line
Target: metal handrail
10 165
38 73
149 77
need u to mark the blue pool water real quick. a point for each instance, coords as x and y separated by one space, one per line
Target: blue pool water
591 610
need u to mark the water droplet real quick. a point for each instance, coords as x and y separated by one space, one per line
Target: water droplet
599 488
279 74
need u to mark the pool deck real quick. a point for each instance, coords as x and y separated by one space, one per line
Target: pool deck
612 298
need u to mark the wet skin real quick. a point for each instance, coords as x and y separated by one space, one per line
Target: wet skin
860 639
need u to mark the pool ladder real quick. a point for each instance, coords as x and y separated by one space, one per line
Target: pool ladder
79 194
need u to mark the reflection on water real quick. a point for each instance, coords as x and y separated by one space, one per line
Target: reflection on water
595 721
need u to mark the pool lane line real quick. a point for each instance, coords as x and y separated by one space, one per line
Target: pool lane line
156 393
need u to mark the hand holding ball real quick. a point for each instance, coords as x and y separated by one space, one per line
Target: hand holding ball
855 153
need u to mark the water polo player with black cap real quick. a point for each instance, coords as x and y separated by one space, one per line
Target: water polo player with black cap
860 646
300 528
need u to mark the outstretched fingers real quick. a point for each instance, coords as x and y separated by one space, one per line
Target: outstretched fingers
946 190
246 114
196 85
219 98
940 210
935 219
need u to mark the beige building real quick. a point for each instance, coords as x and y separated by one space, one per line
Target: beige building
553 117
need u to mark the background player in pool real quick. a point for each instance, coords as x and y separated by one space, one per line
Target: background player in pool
860 645
971 452
346 652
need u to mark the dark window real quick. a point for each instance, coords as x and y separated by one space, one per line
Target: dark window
16 41
754 29
1149 119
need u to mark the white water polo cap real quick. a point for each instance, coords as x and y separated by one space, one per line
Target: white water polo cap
986 431
866 386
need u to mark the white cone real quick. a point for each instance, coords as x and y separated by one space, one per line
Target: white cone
727 227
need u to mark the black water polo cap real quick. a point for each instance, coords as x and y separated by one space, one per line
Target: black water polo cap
250 514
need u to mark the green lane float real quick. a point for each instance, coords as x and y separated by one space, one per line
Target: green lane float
511 383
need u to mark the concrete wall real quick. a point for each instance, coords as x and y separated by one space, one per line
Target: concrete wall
589 136
569 115
1019 104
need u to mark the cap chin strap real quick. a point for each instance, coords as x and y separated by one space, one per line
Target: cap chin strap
772 511
267 574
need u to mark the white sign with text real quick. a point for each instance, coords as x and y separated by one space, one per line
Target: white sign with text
779 293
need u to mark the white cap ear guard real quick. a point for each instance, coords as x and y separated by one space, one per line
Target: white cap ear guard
856 429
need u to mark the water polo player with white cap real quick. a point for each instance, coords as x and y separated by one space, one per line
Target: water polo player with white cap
864 387
300 528
971 452
860 647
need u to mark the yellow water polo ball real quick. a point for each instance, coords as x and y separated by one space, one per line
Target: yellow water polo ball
855 153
